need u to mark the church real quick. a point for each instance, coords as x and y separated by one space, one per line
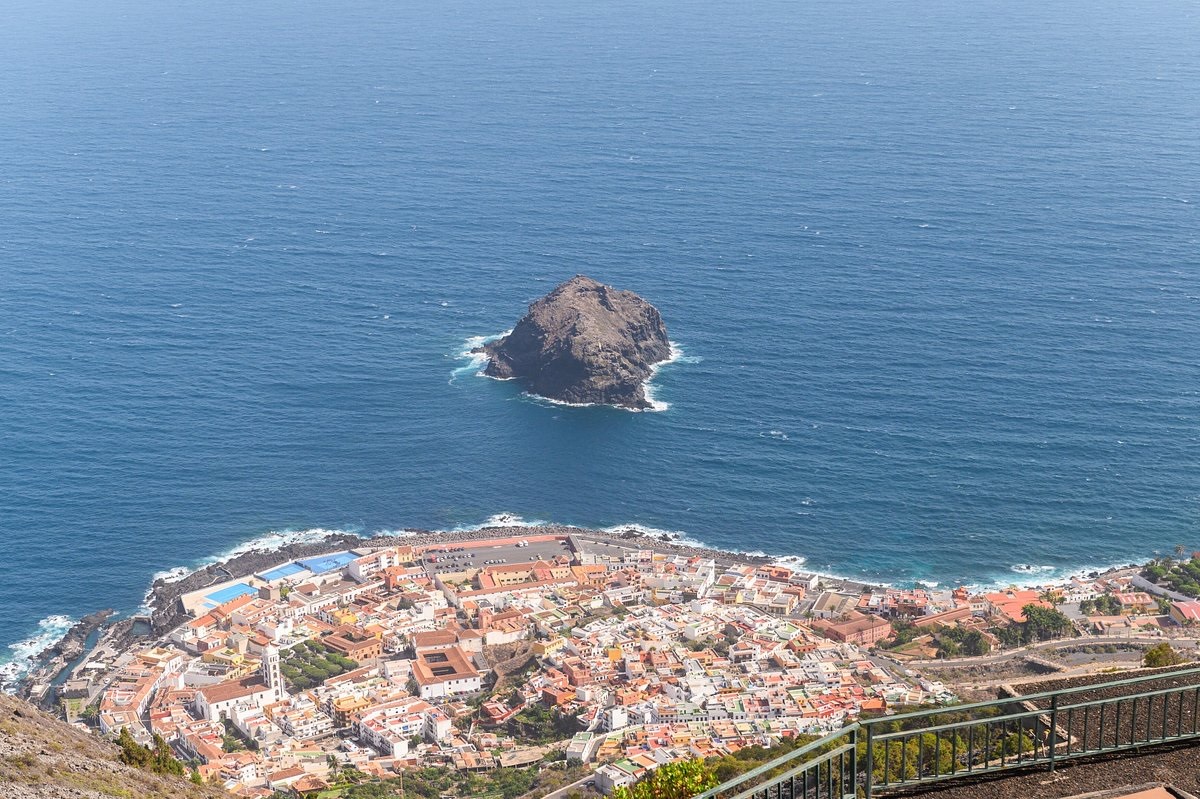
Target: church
214 702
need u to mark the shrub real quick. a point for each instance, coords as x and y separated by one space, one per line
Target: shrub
1161 655
679 780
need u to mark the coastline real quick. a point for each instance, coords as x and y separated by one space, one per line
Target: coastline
162 598
164 594
161 611
50 664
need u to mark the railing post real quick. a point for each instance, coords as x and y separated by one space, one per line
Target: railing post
1053 728
870 761
853 777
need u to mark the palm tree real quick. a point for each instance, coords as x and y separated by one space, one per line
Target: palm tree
334 765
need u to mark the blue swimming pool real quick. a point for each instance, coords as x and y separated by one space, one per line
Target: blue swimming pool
232 592
279 572
327 563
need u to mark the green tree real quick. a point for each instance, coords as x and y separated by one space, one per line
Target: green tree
1154 572
163 760
1161 655
903 632
1012 744
679 780
132 752
158 759
1010 636
975 643
948 648
1042 624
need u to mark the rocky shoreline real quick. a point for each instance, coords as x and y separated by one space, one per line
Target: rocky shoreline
52 661
166 612
164 595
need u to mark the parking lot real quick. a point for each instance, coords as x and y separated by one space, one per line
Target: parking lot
475 555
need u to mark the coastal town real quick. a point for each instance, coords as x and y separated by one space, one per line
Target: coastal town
596 655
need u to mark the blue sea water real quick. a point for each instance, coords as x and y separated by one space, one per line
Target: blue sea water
933 267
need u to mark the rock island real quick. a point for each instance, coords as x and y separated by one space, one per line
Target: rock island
584 343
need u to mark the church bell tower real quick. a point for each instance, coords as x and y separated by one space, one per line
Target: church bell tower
271 673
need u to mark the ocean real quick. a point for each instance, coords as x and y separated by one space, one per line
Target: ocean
932 269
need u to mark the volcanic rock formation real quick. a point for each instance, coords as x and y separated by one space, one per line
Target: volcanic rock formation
584 342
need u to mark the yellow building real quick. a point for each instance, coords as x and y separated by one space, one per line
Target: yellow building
346 706
544 648
223 657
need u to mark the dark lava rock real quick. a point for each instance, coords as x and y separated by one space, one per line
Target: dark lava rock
584 342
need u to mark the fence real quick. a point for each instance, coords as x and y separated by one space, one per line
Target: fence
875 756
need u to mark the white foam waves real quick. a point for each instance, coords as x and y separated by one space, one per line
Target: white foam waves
684 539
173 575
268 542
1026 568
475 359
395 534
1041 576
22 655
562 403
676 356
498 520
276 540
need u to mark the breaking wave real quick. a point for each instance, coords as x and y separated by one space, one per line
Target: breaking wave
475 361
496 520
1025 568
684 539
22 655
676 356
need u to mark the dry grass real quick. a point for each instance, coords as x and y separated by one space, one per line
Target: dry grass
44 758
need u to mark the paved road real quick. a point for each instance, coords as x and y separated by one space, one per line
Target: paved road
986 660
562 792
1151 588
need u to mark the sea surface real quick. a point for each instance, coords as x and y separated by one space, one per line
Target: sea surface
933 269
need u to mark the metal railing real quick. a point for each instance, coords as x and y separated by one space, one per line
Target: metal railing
875 756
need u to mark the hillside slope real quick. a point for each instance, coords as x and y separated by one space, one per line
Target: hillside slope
44 758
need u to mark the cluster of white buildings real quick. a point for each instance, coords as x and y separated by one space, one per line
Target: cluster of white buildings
644 648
